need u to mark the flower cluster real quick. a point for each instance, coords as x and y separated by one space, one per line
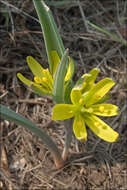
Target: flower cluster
43 79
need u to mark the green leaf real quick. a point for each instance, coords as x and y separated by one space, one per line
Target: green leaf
51 34
10 115
60 3
112 36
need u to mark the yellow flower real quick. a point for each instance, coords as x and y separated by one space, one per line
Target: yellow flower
43 79
86 106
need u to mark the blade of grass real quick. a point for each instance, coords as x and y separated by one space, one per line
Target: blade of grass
60 3
112 36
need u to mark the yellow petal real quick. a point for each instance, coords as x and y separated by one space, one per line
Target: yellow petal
55 61
100 128
24 79
37 88
81 83
94 72
89 79
98 91
105 110
79 128
70 70
49 78
104 98
63 111
76 96
40 90
38 80
35 67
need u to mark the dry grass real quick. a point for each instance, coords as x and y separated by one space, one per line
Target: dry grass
26 163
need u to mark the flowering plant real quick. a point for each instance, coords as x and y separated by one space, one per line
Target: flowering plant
83 101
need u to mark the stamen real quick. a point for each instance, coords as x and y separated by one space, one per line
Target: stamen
81 101
90 110
37 80
44 71
44 79
101 109
96 123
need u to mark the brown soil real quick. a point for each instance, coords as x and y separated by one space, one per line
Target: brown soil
26 163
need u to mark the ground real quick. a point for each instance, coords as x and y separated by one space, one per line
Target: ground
26 163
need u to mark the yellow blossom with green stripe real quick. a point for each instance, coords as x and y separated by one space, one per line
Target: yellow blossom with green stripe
86 97
43 79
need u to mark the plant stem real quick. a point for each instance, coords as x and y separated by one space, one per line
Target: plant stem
68 138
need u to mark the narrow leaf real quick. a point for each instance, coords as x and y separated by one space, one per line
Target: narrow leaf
10 115
51 34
